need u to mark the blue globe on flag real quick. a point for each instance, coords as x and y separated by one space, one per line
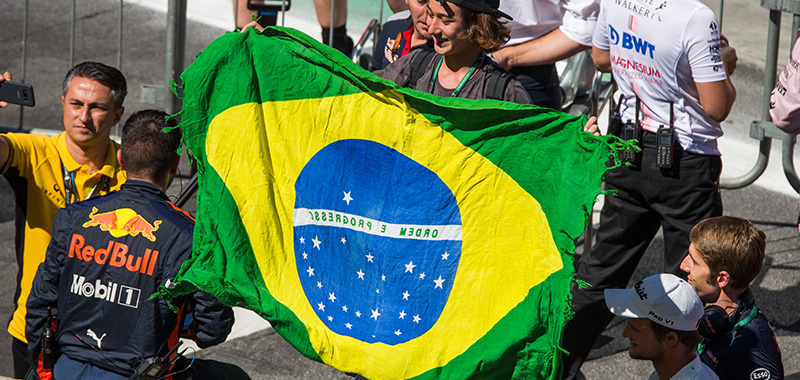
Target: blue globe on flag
377 241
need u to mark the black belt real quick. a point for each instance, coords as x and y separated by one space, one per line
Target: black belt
649 139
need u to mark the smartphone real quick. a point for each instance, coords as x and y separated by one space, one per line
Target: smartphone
17 93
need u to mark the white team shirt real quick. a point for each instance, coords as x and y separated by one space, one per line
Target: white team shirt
659 49
695 370
535 18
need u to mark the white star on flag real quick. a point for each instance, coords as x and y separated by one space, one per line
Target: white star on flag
332 297
403 314
405 295
305 255
344 240
321 306
358 314
319 285
347 198
410 267
317 242
383 278
369 257
445 256
360 274
302 240
310 271
417 318
330 317
344 308
397 332
422 276
375 314
438 282
349 326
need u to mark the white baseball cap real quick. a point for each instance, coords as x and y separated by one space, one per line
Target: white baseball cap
663 298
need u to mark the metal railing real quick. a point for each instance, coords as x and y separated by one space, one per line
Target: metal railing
176 34
764 130
176 48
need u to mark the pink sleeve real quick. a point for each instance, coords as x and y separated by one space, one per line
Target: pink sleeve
785 99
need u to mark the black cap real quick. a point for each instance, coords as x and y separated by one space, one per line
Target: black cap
481 6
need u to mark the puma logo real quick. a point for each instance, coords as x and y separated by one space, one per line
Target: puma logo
99 340
734 335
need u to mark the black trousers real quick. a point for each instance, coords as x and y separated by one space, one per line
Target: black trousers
208 369
647 198
19 355
542 84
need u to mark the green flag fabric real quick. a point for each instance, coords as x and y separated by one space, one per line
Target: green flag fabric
380 230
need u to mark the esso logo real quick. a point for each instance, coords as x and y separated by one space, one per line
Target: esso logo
760 374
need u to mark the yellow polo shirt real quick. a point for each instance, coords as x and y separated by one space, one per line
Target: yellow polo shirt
34 171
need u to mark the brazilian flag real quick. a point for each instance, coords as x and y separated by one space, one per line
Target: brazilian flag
381 230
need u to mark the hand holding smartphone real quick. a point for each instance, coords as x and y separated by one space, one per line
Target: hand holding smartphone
17 93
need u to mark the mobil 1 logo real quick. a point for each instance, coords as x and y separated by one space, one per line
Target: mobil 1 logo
109 291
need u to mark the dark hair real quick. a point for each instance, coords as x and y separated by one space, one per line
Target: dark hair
688 338
731 244
485 30
106 75
148 151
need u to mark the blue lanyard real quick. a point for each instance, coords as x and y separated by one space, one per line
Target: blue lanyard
70 192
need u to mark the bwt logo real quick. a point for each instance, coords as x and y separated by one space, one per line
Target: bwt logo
631 42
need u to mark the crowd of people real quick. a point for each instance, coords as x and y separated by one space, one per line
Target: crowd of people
672 68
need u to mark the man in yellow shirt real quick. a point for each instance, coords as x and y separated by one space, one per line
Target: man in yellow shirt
48 173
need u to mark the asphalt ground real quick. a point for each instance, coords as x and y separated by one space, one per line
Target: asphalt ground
769 203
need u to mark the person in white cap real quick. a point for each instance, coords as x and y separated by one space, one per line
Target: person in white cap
662 312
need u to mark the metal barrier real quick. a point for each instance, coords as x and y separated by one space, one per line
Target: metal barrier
601 91
764 130
176 47
176 34
372 31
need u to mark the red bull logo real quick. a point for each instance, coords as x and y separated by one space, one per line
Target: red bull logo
122 222
115 254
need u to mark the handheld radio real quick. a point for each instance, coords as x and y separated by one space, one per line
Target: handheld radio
615 119
632 131
665 141
153 368
49 347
